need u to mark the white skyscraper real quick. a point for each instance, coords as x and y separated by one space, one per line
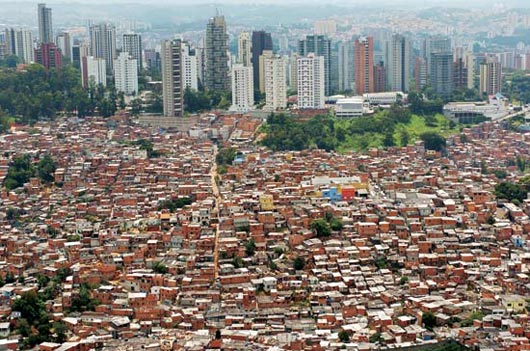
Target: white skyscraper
126 74
242 88
190 77
132 44
275 83
244 49
311 82
93 71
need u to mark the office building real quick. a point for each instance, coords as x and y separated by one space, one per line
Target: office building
441 73
349 107
346 63
261 41
190 78
172 87
364 65
132 44
275 83
242 88
216 75
103 43
311 76
93 71
126 74
320 45
244 49
63 42
44 19
79 50
398 63
490 82
49 55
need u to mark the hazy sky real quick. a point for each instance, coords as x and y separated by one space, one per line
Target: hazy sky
423 3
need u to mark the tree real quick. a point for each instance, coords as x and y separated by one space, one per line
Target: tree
299 263
336 224
429 320
225 156
321 228
403 280
404 137
344 336
433 141
46 169
83 301
136 106
60 331
159 267
250 247
20 171
510 191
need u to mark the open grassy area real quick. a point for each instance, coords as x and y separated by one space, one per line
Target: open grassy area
414 128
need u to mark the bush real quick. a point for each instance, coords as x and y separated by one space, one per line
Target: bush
299 263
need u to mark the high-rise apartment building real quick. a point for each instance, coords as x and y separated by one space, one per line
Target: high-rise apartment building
469 62
93 71
126 74
190 78
49 55
265 55
216 75
244 49
261 41
421 77
242 88
19 42
320 45
435 45
379 77
79 50
311 76
275 83
459 75
441 73
153 60
132 44
293 71
103 43
398 63
490 82
364 65
325 27
346 63
172 87
63 42
44 17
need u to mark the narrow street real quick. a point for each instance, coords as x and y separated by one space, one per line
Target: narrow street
217 195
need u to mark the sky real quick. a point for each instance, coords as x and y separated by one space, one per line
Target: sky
423 3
